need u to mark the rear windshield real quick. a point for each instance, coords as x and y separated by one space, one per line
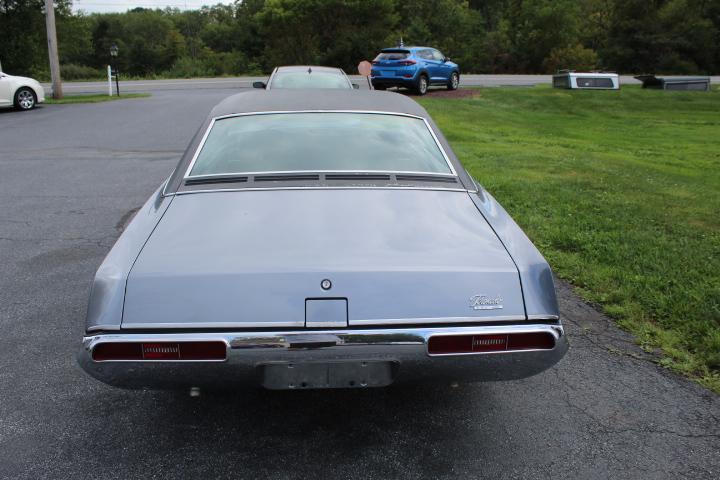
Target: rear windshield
332 141
303 79
401 55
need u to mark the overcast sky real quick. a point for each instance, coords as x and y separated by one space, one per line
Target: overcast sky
90 6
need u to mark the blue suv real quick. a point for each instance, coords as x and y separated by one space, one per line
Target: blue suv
413 67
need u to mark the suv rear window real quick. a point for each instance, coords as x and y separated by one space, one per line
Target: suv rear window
319 141
394 55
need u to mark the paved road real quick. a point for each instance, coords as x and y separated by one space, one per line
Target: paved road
69 176
71 88
246 82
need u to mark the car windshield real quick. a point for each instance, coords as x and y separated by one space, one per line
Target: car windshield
303 79
319 141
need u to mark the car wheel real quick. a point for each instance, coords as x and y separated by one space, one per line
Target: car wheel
422 85
454 81
25 99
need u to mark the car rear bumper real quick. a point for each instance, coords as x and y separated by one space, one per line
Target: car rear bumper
394 81
360 358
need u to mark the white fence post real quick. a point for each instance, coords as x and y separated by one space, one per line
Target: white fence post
109 81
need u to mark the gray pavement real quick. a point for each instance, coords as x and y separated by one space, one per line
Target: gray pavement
69 176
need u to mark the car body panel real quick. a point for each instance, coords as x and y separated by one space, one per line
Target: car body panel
253 258
107 297
535 273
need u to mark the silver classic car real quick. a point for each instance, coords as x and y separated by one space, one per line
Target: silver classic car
320 239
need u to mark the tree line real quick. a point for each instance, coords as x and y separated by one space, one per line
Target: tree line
483 36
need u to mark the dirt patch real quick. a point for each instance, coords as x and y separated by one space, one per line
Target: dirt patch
442 93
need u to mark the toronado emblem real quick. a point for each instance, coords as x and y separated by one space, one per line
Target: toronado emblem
486 302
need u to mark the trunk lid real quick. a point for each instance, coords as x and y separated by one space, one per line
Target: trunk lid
251 259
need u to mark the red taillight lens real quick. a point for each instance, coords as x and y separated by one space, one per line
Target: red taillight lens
117 351
160 351
449 344
405 63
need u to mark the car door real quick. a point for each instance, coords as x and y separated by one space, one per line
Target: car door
431 65
6 90
443 69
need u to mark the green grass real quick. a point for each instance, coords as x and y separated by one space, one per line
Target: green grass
93 98
621 193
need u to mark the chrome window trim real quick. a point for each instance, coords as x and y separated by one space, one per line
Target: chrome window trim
200 146
544 317
319 187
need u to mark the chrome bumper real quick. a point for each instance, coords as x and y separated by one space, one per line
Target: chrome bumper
251 355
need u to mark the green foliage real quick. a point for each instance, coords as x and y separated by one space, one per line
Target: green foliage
483 36
71 71
621 193
576 57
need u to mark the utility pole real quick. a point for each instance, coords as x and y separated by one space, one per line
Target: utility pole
53 49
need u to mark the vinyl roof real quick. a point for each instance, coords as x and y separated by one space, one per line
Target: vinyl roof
317 99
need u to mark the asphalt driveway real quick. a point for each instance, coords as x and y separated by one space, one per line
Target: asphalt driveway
69 178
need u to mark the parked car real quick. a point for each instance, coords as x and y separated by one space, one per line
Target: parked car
307 76
324 240
22 93
414 67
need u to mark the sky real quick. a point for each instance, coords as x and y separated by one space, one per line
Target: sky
92 6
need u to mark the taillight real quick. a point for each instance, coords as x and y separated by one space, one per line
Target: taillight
449 344
405 63
159 351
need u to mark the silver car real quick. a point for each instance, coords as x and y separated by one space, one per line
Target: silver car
324 240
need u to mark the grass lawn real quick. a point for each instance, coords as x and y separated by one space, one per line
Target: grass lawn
92 98
621 193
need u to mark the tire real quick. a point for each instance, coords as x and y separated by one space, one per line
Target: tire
454 81
422 85
380 87
25 99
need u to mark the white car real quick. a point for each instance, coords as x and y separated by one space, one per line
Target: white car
22 93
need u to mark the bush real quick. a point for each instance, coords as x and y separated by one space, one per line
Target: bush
212 64
186 67
574 57
80 72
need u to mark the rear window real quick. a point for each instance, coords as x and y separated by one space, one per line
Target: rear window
328 141
303 79
400 55
592 82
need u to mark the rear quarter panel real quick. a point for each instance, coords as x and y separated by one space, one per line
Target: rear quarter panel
105 307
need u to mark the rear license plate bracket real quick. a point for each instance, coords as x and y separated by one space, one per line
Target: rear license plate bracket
310 375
